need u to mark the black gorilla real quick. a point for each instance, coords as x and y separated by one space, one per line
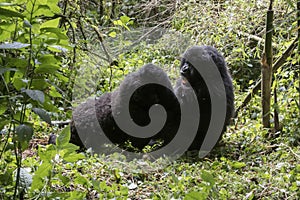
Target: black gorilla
151 94
196 55
145 96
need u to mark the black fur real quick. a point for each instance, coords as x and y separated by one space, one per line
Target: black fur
198 85
141 101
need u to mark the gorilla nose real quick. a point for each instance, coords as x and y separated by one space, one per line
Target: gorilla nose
184 68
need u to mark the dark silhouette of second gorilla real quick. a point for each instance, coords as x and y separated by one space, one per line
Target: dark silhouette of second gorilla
196 55
142 99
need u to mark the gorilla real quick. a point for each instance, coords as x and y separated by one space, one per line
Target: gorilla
151 87
195 55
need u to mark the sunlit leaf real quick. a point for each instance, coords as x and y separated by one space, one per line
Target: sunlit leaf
195 196
47 68
238 165
51 23
13 45
64 137
10 13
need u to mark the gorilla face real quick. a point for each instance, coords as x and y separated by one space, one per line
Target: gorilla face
188 72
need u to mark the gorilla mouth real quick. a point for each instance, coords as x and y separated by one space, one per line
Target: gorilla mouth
184 81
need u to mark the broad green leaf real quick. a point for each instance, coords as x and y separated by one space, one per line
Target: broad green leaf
61 35
64 137
36 95
54 7
112 34
19 63
10 13
43 10
57 48
69 147
51 23
73 157
25 178
53 92
40 175
24 133
82 180
124 19
39 84
64 179
48 59
207 177
195 196
3 108
42 114
238 165
18 83
7 26
46 68
62 77
6 4
5 35
47 154
13 45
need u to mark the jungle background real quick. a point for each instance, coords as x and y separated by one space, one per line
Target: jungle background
55 54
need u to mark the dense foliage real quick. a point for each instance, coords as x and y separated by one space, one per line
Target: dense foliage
55 54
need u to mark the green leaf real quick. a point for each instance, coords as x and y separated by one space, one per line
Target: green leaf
57 48
82 180
40 174
195 196
48 59
46 68
3 70
36 95
63 138
42 114
3 108
73 157
64 179
43 10
112 34
207 177
53 92
60 35
51 23
39 84
24 133
13 45
25 178
47 154
238 165
125 19
10 13
18 83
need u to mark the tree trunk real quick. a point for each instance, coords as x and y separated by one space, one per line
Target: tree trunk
266 71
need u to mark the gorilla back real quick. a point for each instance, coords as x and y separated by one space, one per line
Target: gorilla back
150 87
